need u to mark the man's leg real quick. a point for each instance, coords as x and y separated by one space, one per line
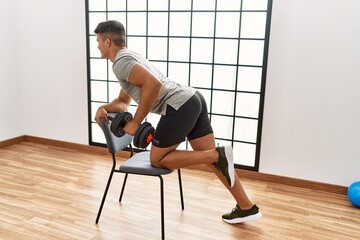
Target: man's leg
244 211
237 191
204 153
192 121
173 159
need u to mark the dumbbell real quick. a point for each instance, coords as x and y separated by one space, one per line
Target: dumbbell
118 123
143 136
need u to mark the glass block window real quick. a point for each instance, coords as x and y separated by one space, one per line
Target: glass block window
216 46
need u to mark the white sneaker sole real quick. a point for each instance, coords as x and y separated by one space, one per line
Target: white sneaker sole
250 218
230 160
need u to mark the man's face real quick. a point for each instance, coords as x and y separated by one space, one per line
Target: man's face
103 45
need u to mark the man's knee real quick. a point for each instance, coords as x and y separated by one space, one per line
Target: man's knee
155 162
159 156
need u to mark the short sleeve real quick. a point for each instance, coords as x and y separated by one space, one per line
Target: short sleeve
123 66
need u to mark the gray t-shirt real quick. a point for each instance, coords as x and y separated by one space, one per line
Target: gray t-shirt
171 93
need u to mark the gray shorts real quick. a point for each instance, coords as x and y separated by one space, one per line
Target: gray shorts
190 121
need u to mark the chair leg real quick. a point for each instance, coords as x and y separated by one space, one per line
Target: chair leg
181 191
162 208
123 187
104 196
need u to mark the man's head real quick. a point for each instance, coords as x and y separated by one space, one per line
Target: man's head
110 36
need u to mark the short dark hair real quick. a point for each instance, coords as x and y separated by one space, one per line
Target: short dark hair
112 29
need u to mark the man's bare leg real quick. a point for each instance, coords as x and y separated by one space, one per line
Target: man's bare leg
237 191
204 153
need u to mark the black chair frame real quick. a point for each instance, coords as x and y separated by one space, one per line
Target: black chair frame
115 170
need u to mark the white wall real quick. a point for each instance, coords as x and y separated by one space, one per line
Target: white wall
10 86
312 114
311 117
52 51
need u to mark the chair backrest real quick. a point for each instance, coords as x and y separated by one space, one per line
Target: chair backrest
114 143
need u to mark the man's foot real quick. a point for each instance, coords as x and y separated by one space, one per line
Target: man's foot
225 164
238 216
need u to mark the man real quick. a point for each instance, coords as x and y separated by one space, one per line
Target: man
183 113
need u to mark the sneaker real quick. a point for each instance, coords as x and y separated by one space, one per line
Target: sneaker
238 216
225 164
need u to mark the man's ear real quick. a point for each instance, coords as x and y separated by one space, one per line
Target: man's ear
108 42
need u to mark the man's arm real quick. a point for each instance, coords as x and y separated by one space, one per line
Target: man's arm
150 90
119 104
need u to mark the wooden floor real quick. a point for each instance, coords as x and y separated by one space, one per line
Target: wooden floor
49 192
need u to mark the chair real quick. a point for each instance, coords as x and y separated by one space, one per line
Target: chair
136 164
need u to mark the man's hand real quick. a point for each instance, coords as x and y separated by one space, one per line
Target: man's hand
101 112
131 127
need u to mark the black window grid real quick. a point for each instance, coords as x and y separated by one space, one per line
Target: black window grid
167 61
